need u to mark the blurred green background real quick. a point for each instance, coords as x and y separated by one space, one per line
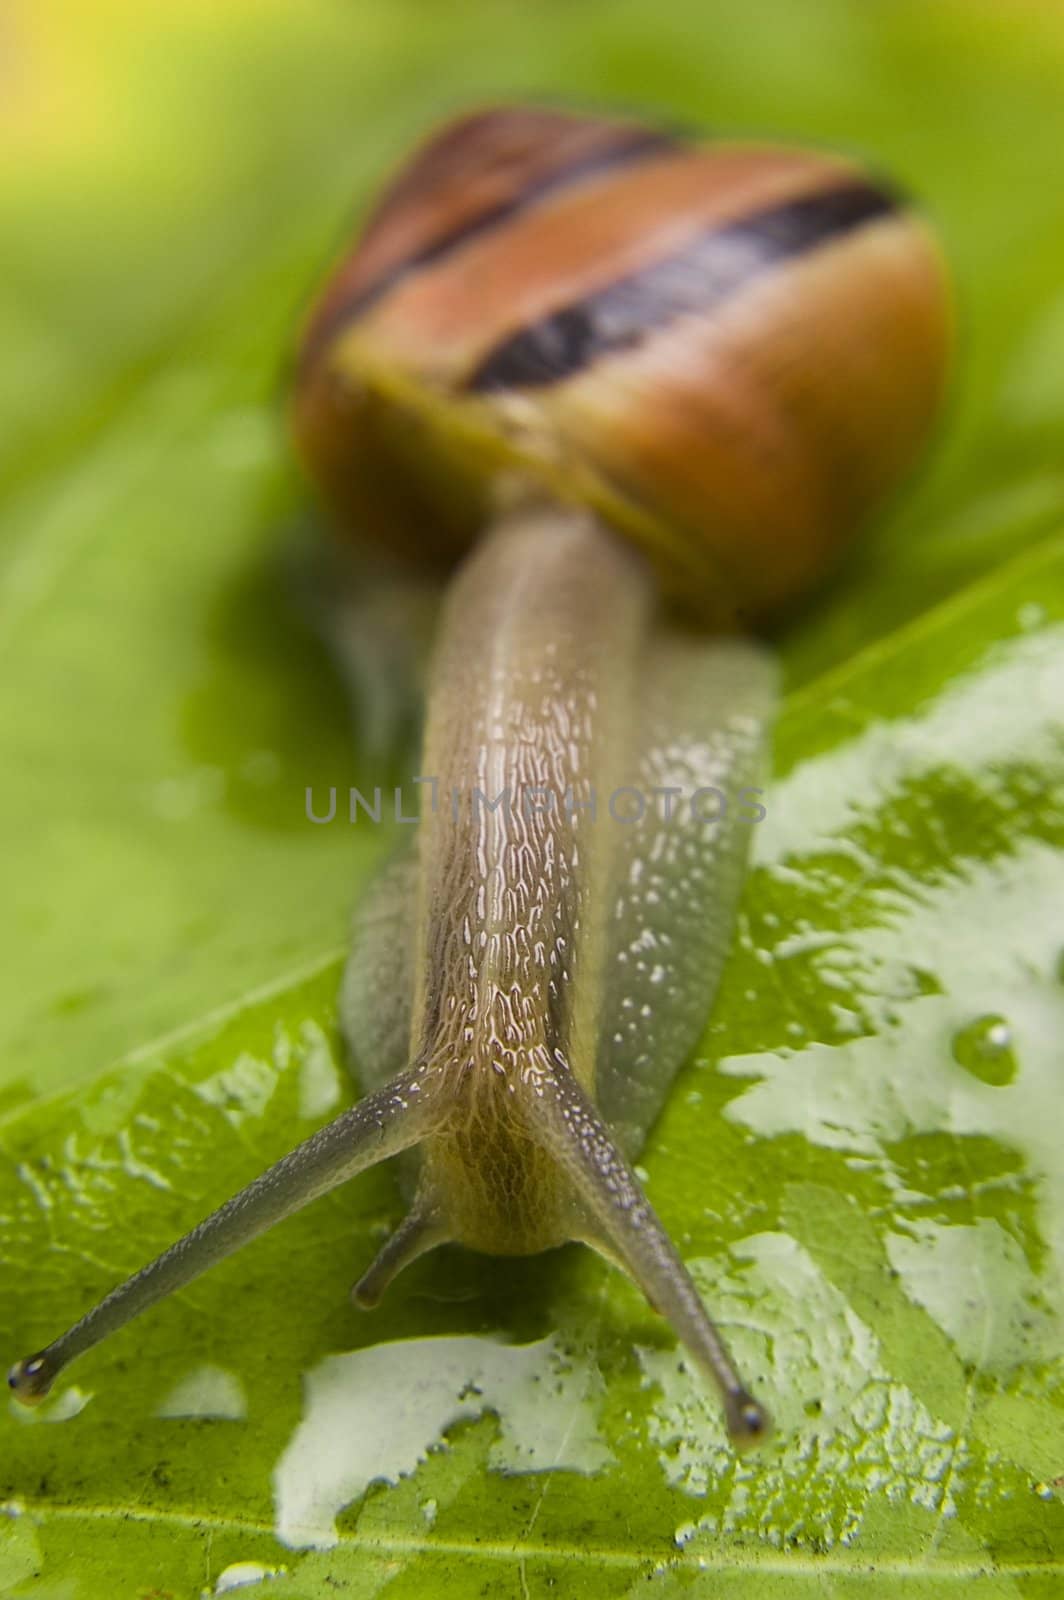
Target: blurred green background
173 181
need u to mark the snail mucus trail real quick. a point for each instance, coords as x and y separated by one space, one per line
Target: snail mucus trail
640 391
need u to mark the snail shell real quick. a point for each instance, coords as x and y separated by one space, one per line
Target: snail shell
728 351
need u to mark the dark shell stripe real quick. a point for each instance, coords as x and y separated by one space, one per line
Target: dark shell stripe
707 270
627 147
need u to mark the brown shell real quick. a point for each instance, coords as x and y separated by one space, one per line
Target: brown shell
731 351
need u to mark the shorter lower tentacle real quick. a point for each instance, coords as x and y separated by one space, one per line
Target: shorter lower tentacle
416 1234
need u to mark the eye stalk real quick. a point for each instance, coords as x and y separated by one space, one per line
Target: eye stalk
748 1422
30 1381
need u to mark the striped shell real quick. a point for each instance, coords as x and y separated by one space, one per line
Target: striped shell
729 351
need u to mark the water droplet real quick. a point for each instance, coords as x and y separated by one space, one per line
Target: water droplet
241 1574
984 1048
1031 616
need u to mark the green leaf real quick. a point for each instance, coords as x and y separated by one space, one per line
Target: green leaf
863 1166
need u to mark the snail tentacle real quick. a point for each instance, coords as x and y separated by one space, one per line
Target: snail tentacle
622 1225
381 1125
419 1232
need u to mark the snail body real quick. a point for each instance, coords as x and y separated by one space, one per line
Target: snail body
642 391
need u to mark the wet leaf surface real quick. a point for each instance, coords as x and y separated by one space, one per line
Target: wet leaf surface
862 1165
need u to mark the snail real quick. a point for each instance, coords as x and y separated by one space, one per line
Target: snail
639 390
